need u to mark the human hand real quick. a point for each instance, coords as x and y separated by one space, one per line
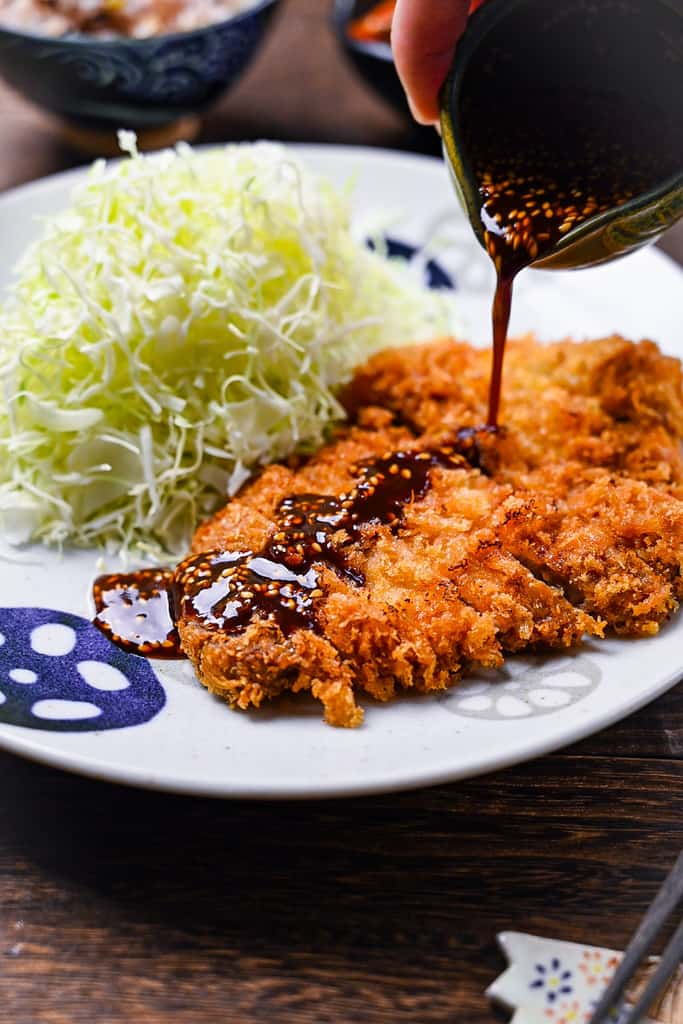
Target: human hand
423 38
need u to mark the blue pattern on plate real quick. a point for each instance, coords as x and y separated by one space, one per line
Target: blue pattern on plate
52 692
435 275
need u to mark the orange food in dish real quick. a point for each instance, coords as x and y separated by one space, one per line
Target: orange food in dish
375 25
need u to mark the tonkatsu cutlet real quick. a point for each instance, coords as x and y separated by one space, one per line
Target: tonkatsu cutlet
417 543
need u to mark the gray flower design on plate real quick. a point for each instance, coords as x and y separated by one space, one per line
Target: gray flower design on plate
525 687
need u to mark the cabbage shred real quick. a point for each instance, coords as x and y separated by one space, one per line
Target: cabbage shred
191 316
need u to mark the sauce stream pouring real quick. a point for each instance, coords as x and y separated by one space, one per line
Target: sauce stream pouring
562 125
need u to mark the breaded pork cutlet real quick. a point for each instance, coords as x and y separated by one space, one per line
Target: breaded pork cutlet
416 543
610 403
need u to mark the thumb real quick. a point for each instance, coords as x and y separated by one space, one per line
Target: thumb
423 38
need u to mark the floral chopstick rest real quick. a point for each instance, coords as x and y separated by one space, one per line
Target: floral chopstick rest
551 982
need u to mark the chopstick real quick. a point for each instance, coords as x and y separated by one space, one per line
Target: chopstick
662 908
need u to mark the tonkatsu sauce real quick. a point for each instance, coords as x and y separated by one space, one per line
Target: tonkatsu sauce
224 589
134 610
502 307
526 213
567 112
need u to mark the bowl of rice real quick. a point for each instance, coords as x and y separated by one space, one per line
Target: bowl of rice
149 65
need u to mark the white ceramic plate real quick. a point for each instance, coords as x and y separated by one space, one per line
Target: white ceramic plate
106 714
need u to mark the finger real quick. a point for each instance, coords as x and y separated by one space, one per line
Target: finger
423 38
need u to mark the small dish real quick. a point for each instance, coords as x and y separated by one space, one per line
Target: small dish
374 61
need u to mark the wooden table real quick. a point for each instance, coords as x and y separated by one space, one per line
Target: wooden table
122 906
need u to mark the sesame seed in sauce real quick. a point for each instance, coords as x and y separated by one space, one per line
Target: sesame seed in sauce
225 589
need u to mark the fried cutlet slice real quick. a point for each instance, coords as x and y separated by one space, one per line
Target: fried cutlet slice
455 597
564 523
614 545
439 592
608 403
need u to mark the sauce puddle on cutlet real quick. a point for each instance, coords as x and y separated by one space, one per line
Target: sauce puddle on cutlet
224 589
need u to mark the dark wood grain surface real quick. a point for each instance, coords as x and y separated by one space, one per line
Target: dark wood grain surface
122 906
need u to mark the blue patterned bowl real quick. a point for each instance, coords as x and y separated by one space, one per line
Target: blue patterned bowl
144 84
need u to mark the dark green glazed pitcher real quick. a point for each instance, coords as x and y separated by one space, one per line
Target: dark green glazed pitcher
630 53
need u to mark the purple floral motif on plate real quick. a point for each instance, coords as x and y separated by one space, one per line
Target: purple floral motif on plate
60 674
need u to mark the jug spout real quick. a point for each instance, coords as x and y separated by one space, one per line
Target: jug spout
562 126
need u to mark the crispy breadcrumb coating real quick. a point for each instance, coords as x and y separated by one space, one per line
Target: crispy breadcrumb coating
568 522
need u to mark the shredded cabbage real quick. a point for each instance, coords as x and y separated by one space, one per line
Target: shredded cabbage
190 316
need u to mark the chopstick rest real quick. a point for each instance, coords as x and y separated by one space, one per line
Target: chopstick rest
553 982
